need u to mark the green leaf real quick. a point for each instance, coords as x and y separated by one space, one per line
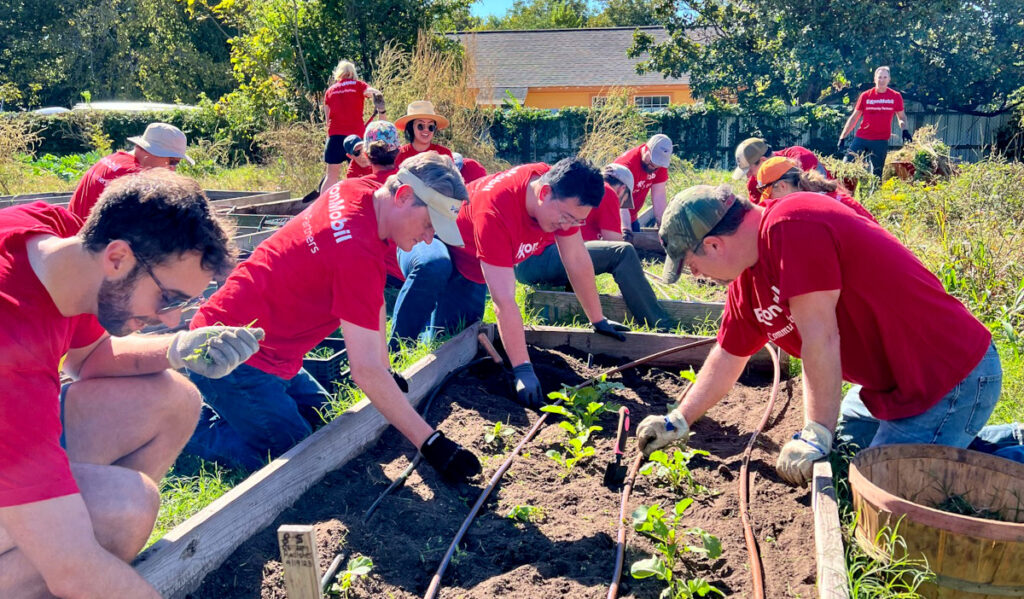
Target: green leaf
360 566
645 568
682 505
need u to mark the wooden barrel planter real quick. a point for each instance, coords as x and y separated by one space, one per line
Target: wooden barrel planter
972 557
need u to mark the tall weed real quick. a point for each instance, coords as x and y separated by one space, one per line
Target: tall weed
616 127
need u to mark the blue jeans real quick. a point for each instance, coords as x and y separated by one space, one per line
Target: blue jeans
435 297
249 416
874 149
957 420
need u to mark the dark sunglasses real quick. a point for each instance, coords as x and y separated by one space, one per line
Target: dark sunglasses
423 127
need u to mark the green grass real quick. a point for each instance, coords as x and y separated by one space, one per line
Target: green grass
191 485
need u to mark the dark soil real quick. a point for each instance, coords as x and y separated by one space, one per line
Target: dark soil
570 551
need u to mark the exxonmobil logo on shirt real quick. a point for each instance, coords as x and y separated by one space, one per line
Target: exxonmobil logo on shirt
335 208
525 249
768 317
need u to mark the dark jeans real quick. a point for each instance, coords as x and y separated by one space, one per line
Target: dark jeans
875 149
249 416
435 297
616 257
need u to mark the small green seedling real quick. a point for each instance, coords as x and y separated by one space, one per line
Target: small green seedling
320 353
688 375
574 452
671 546
581 408
202 352
526 513
499 436
675 470
357 568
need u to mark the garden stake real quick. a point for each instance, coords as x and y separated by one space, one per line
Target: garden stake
419 456
756 569
435 582
615 472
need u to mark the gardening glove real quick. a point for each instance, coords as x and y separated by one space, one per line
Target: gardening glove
907 138
610 328
213 351
451 460
841 146
528 391
627 236
656 432
796 461
378 103
400 381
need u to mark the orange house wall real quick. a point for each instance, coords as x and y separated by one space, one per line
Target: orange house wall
560 97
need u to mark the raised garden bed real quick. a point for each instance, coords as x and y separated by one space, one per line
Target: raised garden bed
563 306
567 550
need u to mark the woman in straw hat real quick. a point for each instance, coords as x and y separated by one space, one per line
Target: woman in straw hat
420 123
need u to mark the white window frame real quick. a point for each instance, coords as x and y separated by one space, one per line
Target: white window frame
656 102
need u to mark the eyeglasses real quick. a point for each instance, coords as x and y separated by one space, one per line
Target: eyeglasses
564 218
170 300
422 127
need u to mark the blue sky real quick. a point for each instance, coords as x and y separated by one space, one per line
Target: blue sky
483 8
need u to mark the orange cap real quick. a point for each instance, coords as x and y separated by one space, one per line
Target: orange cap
771 170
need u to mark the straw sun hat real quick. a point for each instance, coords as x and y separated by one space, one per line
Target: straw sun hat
421 109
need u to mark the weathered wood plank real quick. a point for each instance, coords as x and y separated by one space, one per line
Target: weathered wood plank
646 217
259 222
252 199
561 306
828 538
176 564
638 345
248 242
647 240
289 207
300 559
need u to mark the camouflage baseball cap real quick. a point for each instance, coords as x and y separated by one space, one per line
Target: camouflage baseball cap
688 218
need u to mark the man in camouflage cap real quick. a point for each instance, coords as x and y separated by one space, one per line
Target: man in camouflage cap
836 289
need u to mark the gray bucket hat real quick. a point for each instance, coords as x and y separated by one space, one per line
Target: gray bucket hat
166 141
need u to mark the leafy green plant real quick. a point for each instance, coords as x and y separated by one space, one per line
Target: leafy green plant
581 409
499 436
320 353
357 568
672 545
675 470
526 513
573 451
688 375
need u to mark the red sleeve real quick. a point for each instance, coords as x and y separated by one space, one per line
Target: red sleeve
361 87
860 101
807 257
493 240
33 466
358 290
739 334
86 330
899 102
660 176
569 233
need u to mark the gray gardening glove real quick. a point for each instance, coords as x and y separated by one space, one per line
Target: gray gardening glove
656 432
796 460
213 351
378 103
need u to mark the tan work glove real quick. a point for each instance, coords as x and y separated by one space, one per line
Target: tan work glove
796 461
656 432
213 351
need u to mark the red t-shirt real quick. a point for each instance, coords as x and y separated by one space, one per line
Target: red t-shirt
407 151
391 259
325 265
878 110
901 336
34 335
96 179
642 180
472 170
495 225
344 101
356 170
804 157
604 217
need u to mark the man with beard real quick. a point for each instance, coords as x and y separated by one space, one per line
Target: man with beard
79 466
649 165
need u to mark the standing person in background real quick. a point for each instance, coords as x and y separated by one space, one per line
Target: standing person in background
161 146
649 165
754 151
471 169
358 161
419 124
343 109
877 106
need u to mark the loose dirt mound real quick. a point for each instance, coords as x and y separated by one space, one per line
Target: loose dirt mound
570 552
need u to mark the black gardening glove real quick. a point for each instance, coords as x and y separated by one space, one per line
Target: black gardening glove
610 328
841 146
528 390
400 381
451 460
907 137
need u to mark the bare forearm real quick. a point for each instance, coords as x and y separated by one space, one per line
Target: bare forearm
627 222
901 118
510 327
127 356
720 372
848 127
658 200
385 395
823 379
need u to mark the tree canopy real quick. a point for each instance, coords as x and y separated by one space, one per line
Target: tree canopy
963 55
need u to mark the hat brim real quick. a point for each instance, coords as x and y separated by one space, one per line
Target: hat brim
668 161
442 123
445 228
670 273
145 145
739 173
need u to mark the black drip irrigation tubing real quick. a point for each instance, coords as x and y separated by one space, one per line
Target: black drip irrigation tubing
419 456
435 582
